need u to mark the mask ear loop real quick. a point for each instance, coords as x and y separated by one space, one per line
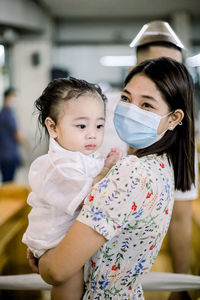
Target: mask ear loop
170 127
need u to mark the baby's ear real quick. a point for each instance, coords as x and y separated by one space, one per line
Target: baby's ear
51 127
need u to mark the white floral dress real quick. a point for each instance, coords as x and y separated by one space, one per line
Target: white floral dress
131 207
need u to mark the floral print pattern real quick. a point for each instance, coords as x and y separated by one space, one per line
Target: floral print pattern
131 207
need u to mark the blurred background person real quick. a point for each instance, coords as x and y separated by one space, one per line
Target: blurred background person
159 39
10 138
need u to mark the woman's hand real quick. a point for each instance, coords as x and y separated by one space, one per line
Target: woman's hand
32 260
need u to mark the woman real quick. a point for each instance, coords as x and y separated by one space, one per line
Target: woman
124 219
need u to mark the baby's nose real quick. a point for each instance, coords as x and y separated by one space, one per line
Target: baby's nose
91 135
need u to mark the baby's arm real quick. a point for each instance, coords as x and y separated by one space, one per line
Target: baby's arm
113 156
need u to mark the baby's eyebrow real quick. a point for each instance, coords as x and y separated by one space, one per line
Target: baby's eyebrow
81 118
86 118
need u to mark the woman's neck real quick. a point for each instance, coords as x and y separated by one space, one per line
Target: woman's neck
131 151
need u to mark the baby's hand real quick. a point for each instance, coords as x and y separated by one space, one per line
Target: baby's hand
113 156
33 261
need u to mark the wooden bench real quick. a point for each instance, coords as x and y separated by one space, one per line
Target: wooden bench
13 222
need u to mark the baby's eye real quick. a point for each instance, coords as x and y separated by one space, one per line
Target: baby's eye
124 98
100 126
81 126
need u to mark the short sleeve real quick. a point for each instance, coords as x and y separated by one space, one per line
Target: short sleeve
116 198
67 191
63 188
192 194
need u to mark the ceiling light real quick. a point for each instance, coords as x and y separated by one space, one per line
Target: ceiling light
118 61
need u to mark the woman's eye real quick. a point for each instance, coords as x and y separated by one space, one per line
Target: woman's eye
147 105
124 98
81 126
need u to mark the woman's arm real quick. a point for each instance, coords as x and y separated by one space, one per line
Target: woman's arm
79 244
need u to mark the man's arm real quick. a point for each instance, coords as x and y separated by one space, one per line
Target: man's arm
179 236
180 230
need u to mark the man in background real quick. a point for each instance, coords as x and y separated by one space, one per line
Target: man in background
157 39
10 138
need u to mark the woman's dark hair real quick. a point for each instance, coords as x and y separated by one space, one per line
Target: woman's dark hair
61 90
176 86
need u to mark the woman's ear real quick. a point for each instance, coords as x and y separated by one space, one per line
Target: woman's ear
176 119
51 127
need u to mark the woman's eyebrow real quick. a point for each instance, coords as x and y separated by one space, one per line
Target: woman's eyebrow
126 91
149 97
143 96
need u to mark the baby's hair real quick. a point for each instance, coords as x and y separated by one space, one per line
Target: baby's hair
61 90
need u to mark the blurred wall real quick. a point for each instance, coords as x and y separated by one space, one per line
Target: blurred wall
27 33
83 61
104 31
30 76
23 14
80 45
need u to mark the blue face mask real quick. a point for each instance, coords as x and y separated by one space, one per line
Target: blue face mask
135 126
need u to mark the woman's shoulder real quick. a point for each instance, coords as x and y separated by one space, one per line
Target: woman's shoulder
152 160
126 165
128 168
149 165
